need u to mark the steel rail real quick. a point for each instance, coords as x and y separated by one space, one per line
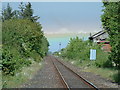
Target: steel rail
83 79
61 76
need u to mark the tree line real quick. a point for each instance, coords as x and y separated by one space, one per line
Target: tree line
23 40
111 23
24 12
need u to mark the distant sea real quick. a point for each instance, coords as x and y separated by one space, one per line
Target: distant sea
59 41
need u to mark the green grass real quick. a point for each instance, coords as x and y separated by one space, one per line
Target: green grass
21 77
104 72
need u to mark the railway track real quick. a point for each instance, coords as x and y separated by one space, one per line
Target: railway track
69 78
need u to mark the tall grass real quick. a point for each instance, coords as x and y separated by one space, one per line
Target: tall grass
20 78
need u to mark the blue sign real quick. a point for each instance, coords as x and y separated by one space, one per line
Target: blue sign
92 54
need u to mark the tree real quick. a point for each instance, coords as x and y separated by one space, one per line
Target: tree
27 12
110 22
7 13
21 7
22 39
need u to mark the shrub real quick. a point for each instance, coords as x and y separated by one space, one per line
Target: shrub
22 39
80 50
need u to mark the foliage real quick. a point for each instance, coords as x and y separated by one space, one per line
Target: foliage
81 59
12 62
7 13
21 7
22 39
27 12
44 48
78 49
110 22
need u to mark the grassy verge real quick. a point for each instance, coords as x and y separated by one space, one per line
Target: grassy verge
89 66
21 77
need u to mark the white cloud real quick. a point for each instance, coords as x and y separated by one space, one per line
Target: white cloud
64 30
59 31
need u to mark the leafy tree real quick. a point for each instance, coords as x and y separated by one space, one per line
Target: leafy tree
45 45
110 21
75 49
22 39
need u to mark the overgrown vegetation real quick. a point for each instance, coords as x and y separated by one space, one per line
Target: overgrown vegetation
110 22
23 41
77 49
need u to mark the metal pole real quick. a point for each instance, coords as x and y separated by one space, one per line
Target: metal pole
59 46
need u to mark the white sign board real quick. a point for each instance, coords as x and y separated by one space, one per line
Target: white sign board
92 54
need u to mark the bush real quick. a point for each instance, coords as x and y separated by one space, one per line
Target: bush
80 50
22 39
102 58
12 61
76 49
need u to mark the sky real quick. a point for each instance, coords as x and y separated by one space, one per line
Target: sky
66 17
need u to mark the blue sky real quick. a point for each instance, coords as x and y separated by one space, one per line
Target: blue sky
66 17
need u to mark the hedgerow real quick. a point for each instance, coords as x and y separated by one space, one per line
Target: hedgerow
22 40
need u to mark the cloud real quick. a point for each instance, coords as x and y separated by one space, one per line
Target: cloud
59 31
64 30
